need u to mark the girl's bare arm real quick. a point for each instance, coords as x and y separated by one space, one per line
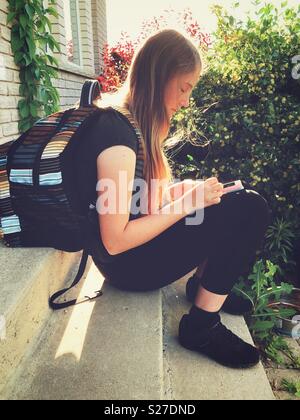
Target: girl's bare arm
117 233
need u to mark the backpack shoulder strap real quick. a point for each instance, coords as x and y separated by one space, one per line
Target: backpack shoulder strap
124 111
141 151
57 306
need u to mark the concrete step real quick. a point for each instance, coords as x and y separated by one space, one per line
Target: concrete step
110 348
124 346
190 376
28 276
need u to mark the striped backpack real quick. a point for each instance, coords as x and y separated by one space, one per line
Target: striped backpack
35 210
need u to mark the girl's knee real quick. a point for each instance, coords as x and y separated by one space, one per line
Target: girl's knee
250 203
257 206
257 201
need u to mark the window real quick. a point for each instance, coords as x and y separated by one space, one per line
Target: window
71 16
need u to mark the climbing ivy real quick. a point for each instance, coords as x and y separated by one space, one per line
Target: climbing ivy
32 44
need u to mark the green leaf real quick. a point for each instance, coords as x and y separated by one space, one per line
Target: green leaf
24 21
286 313
33 109
40 26
260 326
52 12
24 109
31 47
287 288
22 33
22 90
43 95
18 5
10 17
16 43
50 58
37 73
25 125
55 45
18 58
55 62
27 59
29 10
48 22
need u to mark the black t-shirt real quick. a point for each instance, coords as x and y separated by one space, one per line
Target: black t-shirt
110 128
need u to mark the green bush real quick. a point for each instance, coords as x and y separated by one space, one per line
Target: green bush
247 105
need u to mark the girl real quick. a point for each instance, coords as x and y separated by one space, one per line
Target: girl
149 251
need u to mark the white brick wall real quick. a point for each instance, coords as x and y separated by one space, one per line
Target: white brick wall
99 31
8 102
93 35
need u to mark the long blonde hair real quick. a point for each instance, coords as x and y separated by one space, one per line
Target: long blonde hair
161 57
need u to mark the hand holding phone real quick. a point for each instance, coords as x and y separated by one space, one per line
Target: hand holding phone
233 186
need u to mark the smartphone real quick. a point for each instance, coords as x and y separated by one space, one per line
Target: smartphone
233 186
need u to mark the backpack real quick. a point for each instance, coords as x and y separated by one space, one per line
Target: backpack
35 209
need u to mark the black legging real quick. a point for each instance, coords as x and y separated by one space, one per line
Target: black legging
228 238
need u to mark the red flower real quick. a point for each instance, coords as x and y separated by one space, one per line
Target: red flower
117 59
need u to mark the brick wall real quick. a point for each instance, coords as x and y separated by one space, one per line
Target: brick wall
93 34
99 24
9 82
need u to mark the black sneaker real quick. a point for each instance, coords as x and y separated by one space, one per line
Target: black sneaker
234 305
219 344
